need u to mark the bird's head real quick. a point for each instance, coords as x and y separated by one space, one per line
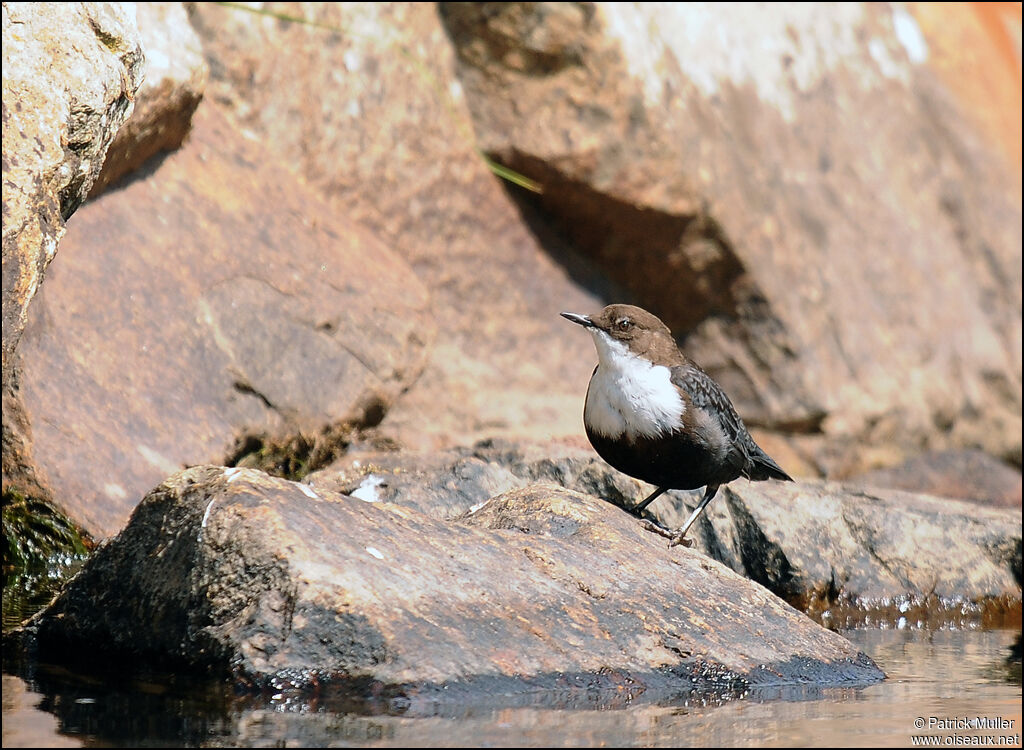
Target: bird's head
622 329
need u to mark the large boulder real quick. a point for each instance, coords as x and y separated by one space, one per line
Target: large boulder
71 71
233 572
212 297
819 545
795 190
363 99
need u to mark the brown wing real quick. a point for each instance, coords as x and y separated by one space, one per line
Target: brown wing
746 455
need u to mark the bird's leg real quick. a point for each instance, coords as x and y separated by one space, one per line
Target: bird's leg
679 536
637 509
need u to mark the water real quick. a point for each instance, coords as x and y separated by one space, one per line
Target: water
938 675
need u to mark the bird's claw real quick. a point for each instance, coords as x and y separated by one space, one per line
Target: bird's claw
678 539
674 537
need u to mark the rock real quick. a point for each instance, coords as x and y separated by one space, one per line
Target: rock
448 484
821 538
976 58
808 542
794 191
444 485
70 74
231 571
364 101
214 297
175 80
966 475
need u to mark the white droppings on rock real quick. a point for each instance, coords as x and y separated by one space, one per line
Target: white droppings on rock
474 508
206 516
367 490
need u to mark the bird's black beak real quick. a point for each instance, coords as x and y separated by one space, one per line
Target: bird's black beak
583 320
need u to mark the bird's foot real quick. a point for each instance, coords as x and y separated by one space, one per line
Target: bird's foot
674 537
679 539
657 528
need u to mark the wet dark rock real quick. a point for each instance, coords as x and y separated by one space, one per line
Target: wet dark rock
811 542
231 571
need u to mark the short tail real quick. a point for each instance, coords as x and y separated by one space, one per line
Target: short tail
761 466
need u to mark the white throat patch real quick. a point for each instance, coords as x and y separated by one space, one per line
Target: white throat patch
630 395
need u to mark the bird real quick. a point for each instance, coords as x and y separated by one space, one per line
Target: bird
654 414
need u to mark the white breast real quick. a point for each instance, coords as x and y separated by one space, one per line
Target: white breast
629 395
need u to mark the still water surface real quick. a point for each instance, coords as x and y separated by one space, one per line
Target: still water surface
934 676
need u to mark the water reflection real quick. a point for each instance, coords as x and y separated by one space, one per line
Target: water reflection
935 675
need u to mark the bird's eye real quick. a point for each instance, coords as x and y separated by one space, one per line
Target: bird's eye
623 324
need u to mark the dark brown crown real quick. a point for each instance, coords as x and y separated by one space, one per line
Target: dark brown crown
642 332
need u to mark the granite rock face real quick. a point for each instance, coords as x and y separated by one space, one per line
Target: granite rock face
175 80
231 571
71 71
794 190
217 296
363 99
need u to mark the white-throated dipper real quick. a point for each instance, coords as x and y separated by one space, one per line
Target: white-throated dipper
653 414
